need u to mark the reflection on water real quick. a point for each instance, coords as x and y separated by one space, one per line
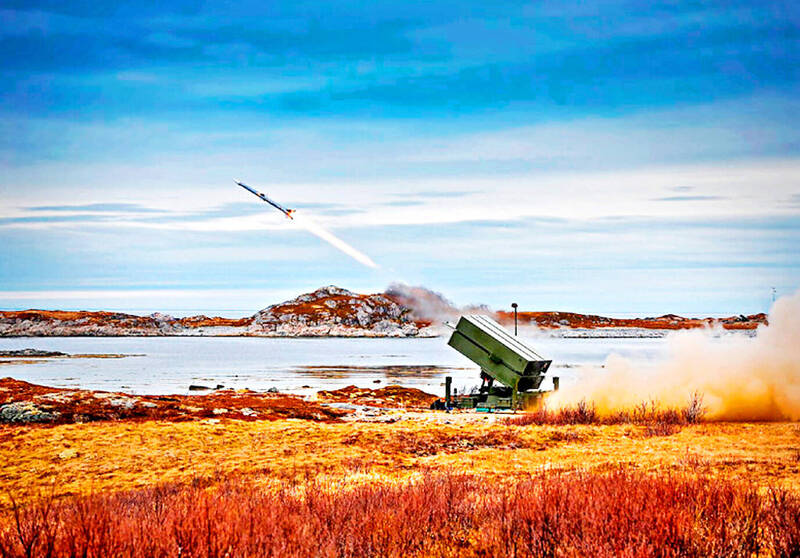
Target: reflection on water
171 364
398 372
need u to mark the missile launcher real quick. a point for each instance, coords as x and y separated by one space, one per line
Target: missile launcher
504 359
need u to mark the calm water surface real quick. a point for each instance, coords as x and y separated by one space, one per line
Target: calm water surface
171 364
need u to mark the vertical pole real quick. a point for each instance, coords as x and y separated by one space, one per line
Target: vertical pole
514 306
514 400
448 382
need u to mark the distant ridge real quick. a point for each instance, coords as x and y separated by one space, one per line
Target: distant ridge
327 312
332 311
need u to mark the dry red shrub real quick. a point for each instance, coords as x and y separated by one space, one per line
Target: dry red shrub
68 405
660 421
432 442
618 514
392 396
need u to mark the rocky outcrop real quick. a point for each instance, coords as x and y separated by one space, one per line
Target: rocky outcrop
26 411
331 311
32 353
335 312
327 312
26 403
57 323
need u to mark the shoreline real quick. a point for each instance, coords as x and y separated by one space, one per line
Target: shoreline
603 332
338 313
26 403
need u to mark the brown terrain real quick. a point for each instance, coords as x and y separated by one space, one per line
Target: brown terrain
331 312
668 321
102 443
112 441
22 402
387 397
328 312
226 473
25 403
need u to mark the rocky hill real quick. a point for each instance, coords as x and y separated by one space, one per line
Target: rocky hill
326 312
57 323
332 311
402 311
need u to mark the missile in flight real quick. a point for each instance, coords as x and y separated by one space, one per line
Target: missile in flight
276 205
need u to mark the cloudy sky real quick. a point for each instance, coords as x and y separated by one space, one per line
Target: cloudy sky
609 157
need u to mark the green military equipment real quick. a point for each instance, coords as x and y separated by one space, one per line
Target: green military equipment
503 358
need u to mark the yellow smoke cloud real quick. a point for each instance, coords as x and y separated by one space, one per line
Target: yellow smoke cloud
740 378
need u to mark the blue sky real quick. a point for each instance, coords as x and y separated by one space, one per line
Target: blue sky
609 157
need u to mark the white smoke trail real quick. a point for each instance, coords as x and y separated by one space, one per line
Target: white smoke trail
334 241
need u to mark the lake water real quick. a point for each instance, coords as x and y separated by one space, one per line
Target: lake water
171 364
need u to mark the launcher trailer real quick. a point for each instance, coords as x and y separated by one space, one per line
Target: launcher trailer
504 359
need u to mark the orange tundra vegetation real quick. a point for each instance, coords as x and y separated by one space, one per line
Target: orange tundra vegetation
668 321
108 456
567 482
389 396
59 405
328 307
616 514
592 474
123 320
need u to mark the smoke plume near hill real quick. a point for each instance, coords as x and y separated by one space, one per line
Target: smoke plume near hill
428 305
739 378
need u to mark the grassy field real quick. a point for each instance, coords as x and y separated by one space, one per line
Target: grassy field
583 514
96 457
738 482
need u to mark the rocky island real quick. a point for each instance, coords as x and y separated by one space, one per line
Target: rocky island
331 311
327 312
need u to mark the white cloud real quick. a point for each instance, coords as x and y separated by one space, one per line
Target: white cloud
720 158
754 188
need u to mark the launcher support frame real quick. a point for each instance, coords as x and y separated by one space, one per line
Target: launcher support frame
504 358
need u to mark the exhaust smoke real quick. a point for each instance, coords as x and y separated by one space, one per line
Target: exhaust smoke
334 241
740 378
429 305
